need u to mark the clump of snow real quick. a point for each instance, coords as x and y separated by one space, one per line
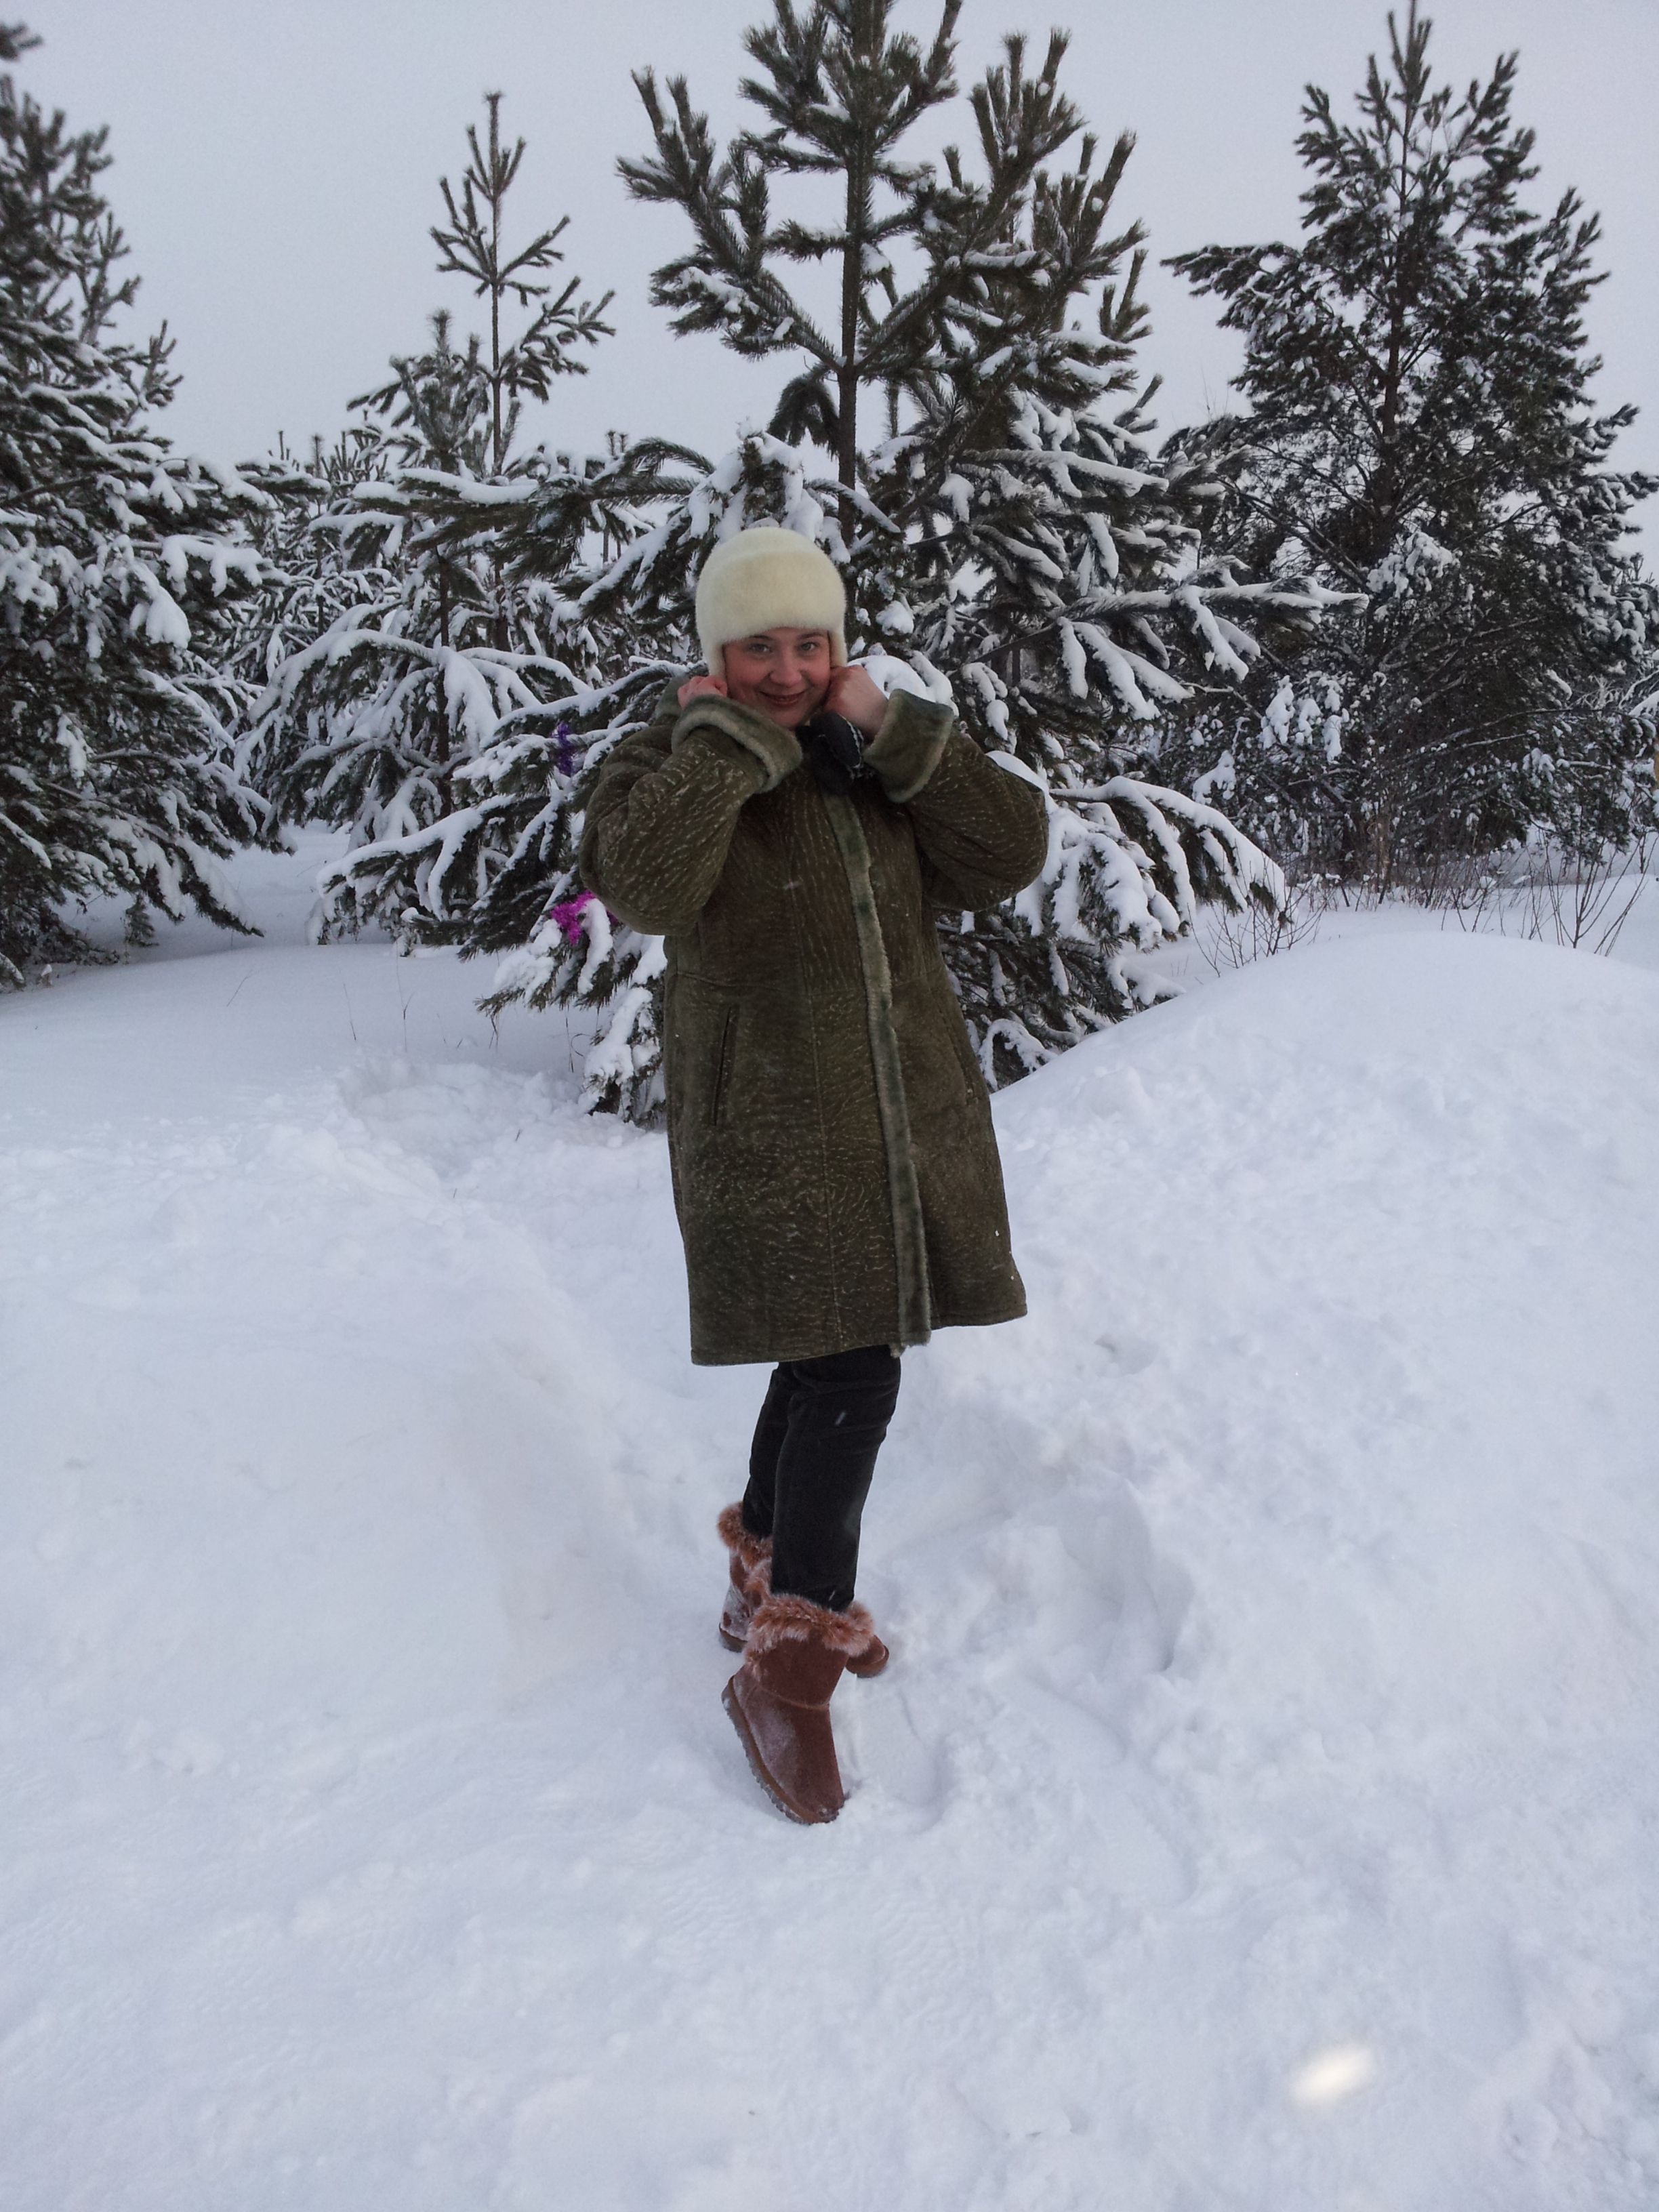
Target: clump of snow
1258 1812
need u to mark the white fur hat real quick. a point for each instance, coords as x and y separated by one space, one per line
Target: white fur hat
768 579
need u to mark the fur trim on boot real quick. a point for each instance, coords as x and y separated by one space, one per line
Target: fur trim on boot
751 1576
854 1634
778 1701
751 1585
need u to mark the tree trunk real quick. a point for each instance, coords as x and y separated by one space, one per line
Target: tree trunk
852 298
852 287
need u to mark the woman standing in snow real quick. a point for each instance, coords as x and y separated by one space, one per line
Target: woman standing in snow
792 833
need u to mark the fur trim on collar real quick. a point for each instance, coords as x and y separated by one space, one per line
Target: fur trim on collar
776 752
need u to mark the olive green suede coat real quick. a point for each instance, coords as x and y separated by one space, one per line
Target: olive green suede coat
835 1168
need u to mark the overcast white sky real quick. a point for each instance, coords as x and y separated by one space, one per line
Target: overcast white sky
276 169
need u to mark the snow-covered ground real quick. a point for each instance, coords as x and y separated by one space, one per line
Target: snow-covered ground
1261 1812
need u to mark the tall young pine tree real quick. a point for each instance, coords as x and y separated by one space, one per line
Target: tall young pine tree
1422 433
1007 537
121 566
426 642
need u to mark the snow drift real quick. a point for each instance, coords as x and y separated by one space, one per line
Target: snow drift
1258 1813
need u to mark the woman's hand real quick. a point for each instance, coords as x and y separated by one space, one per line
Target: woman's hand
703 687
855 695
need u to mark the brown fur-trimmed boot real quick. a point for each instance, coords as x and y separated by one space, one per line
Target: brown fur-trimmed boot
751 1576
778 1700
751 1584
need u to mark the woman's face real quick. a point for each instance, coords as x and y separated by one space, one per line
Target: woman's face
783 674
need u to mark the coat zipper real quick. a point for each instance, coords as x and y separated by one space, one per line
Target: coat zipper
892 1109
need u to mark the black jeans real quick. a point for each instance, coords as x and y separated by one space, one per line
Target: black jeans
811 1465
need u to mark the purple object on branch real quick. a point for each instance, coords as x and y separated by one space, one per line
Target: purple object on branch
568 915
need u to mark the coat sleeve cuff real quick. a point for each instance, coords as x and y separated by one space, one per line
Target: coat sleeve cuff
907 747
776 752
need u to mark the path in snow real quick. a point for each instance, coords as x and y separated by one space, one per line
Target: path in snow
1260 1812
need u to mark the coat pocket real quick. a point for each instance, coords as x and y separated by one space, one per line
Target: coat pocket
728 1032
703 1049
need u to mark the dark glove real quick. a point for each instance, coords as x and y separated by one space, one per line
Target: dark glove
833 750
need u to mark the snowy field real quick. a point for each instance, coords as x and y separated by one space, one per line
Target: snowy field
1261 1812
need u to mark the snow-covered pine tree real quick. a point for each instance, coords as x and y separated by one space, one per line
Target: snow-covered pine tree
120 567
310 577
1054 559
425 641
1005 531
1421 432
474 872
